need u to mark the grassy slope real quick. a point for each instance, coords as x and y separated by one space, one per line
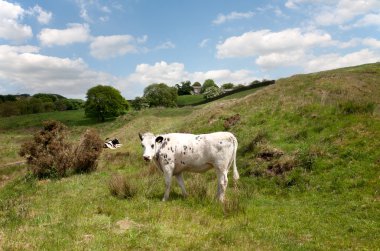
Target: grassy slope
189 99
328 126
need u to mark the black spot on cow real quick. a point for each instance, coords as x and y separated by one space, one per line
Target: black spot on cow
185 148
220 142
168 139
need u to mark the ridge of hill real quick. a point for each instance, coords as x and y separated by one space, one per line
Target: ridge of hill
308 157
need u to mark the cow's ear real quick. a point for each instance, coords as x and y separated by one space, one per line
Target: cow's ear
159 139
140 136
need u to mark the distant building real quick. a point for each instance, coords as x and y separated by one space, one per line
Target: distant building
197 90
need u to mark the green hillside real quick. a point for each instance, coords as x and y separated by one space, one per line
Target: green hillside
308 157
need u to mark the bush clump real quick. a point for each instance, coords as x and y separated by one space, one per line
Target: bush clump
87 152
50 155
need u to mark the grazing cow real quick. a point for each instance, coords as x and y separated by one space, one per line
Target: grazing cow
174 153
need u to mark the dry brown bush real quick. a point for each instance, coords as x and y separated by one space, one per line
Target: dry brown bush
48 154
87 152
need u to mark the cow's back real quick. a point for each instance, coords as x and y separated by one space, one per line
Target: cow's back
197 153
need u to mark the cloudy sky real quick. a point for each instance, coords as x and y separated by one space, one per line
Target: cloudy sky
69 46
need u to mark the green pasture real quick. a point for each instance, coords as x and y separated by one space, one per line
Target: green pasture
308 157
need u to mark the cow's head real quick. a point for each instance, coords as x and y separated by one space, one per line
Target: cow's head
151 144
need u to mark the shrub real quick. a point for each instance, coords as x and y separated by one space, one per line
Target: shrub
87 152
48 154
212 92
120 187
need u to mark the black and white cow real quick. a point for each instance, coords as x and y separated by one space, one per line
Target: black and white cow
174 153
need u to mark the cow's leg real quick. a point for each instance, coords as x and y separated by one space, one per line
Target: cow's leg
181 184
222 184
168 181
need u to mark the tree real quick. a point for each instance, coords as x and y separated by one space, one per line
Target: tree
161 95
139 103
212 92
185 88
208 83
228 86
104 102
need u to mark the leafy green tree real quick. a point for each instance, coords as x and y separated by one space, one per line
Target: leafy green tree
184 88
212 92
161 95
104 102
228 86
139 103
208 83
239 86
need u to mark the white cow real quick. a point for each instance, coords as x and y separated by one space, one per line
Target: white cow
174 153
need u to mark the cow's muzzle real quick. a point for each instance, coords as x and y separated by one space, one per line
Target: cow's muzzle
147 159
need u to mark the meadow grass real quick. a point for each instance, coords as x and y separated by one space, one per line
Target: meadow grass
185 100
326 199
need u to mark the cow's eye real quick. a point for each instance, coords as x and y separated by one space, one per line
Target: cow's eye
152 146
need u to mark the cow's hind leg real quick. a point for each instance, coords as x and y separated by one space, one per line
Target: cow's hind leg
222 184
181 184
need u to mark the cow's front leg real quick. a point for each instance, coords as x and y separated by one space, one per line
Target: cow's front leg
181 184
168 172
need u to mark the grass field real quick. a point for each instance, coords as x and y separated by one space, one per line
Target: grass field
185 100
308 156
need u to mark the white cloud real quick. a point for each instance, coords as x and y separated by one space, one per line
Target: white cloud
10 26
104 47
264 42
345 11
174 73
372 42
232 16
368 20
166 45
334 60
43 16
204 43
31 72
74 33
94 9
295 4
273 60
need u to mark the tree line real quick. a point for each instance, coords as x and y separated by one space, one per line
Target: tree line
11 105
105 101
156 95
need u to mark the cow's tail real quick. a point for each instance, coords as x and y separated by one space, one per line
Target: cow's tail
234 167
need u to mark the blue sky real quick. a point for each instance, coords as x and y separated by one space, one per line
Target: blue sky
69 46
